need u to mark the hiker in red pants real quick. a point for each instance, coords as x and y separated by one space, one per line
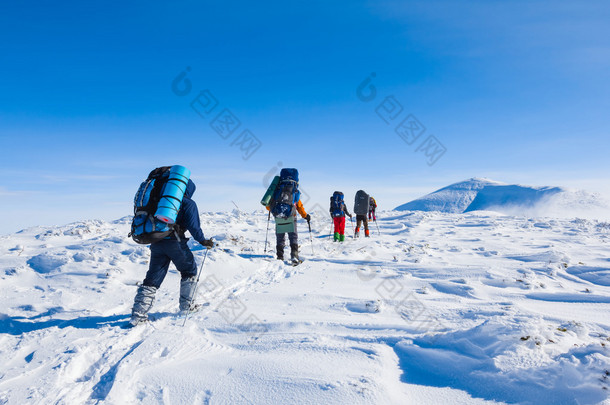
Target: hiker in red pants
338 211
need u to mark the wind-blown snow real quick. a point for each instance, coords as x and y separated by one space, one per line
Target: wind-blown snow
439 309
488 195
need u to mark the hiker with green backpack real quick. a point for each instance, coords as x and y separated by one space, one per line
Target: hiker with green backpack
338 211
283 200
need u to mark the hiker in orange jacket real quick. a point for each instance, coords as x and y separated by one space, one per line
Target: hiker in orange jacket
284 204
289 227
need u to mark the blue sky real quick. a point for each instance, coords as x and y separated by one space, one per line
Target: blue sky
514 91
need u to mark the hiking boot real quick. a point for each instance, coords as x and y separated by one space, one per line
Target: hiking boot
193 308
280 252
136 320
187 289
294 252
142 303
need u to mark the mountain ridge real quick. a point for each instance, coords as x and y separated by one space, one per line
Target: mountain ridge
481 194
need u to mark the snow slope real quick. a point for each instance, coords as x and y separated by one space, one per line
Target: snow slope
483 194
440 308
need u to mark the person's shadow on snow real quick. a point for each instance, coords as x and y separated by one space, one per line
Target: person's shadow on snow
17 325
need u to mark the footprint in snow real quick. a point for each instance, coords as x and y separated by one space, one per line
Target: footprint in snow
370 307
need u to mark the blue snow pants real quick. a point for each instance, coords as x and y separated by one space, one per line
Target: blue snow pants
164 252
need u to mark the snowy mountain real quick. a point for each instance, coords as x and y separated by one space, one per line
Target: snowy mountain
437 308
487 195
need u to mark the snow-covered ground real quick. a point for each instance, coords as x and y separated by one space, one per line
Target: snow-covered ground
438 308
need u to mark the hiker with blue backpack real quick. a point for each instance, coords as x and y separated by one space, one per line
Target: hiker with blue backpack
163 212
283 200
338 211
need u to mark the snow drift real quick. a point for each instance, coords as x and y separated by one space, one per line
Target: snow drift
479 194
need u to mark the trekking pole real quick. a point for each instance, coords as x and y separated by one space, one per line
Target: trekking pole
378 232
354 232
330 230
310 236
195 289
267 234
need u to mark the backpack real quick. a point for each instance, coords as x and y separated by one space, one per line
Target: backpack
372 203
336 204
266 200
146 227
286 194
361 203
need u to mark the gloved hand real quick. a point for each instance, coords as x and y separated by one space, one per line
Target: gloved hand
308 218
208 243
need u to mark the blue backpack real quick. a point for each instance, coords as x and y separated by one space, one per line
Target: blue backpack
145 228
286 194
336 204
